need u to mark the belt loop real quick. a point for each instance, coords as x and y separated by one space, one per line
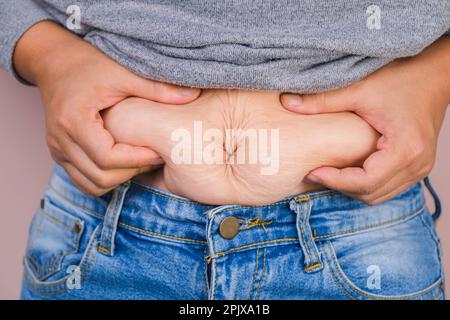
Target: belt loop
302 208
111 220
434 194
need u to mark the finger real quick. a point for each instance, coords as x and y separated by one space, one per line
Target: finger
100 147
405 178
162 92
103 179
338 100
387 195
377 170
84 184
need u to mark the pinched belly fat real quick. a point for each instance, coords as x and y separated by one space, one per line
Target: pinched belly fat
238 146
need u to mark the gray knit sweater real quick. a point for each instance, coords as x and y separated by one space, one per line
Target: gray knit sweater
290 45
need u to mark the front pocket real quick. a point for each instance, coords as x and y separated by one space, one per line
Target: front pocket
53 236
397 262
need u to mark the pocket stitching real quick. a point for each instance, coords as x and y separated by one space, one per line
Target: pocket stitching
38 285
368 295
75 243
428 227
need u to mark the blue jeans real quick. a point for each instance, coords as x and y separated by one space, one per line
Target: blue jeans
140 243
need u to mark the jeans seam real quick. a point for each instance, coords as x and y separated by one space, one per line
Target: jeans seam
86 259
100 216
255 272
375 297
324 194
263 274
302 234
251 245
167 196
373 226
113 202
161 235
428 228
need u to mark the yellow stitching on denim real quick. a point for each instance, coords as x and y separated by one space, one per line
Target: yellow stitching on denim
131 227
95 213
249 207
314 266
167 196
48 266
103 249
52 292
255 244
162 235
209 258
255 272
38 230
409 215
336 281
110 227
44 268
128 226
375 297
256 223
39 286
263 275
88 268
438 295
55 220
205 270
320 195
309 197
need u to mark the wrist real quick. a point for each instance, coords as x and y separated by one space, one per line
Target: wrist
437 56
44 50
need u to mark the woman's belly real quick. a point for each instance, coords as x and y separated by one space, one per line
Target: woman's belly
238 146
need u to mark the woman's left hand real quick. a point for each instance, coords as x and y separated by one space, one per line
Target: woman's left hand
405 101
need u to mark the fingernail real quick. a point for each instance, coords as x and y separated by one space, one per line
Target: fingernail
188 92
312 178
293 100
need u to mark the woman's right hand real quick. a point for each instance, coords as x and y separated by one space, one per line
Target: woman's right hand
76 82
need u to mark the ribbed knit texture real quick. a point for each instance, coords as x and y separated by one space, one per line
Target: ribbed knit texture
302 46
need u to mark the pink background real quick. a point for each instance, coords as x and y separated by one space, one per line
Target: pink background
25 166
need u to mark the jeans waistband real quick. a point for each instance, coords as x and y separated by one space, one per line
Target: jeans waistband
161 214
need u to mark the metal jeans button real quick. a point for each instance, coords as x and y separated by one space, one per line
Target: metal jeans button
229 227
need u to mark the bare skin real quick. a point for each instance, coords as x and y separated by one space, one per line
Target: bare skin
406 102
76 82
306 142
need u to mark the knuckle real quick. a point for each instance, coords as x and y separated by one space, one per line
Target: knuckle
91 190
52 143
372 202
368 189
102 161
368 199
104 181
62 120
55 156
98 192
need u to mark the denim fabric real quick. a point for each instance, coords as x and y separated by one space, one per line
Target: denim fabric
140 243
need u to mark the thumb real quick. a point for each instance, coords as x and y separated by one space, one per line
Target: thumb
162 92
331 101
